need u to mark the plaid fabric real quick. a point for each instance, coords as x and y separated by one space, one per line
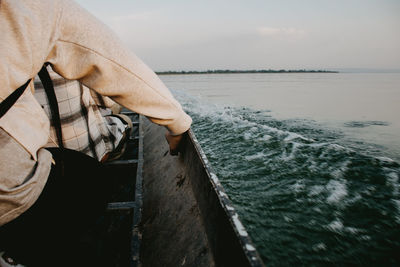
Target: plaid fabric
84 127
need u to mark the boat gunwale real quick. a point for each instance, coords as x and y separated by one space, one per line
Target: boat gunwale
245 241
136 236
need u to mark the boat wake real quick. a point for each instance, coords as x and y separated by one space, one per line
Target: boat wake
305 194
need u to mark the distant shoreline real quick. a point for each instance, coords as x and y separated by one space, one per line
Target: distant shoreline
241 71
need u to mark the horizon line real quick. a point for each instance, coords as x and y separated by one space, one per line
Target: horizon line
328 70
222 71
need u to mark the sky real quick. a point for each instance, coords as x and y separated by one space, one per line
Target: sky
256 34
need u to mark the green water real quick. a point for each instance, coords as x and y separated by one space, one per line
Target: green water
307 193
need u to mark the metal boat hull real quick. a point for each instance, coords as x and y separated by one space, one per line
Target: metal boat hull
169 210
188 220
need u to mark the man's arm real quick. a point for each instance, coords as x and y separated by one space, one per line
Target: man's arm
87 50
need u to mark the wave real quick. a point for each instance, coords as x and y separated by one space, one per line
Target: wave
296 182
363 124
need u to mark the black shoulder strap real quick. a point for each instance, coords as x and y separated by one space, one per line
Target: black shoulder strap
51 96
44 76
7 103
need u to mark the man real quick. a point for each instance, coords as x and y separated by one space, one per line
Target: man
78 47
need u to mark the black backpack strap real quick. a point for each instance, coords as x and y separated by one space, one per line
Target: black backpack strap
51 96
44 76
7 103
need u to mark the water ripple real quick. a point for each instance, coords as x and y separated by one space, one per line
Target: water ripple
304 195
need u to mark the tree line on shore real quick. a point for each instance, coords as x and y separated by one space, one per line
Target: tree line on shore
243 71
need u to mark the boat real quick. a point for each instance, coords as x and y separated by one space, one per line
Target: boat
169 210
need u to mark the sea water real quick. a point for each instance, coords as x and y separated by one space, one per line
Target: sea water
311 160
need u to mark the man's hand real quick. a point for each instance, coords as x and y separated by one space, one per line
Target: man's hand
174 142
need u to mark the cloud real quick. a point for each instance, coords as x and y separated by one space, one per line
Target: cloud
271 31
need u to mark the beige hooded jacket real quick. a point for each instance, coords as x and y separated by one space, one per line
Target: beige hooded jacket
78 47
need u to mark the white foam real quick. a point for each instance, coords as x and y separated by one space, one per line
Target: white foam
318 145
315 190
394 177
248 136
354 199
298 186
336 225
365 237
351 230
258 155
254 129
385 159
291 136
289 156
329 146
337 189
265 137
369 190
393 180
288 136
396 203
231 115
338 147
287 219
319 247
